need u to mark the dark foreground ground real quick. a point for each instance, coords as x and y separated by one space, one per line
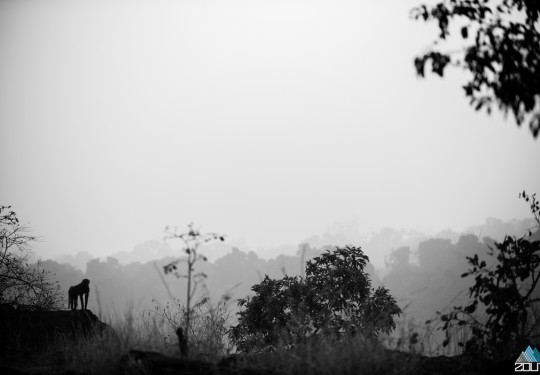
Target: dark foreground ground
35 342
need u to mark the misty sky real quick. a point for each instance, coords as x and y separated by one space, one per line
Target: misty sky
268 121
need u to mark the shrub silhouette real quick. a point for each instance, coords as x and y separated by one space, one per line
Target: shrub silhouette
504 288
334 299
23 284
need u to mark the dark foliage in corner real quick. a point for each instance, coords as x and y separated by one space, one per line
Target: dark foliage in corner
502 313
502 54
22 284
335 298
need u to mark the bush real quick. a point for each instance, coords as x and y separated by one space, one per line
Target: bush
22 284
502 313
334 299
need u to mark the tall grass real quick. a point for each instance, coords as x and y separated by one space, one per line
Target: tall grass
208 326
101 352
400 353
148 331
325 356
426 338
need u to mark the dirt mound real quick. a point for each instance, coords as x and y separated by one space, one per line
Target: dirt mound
25 331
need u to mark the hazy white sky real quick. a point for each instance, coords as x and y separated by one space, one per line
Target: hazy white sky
266 120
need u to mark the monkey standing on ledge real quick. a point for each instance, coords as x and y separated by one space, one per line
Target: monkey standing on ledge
78 291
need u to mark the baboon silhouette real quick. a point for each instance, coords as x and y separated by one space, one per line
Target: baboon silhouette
78 291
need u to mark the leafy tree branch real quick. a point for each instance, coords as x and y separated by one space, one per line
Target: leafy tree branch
502 53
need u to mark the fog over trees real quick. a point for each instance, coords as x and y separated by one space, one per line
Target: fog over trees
422 272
